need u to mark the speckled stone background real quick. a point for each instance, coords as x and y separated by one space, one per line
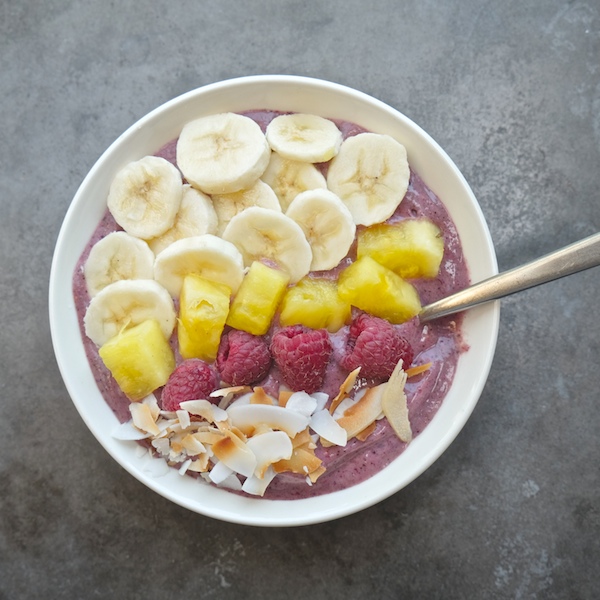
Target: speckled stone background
512 91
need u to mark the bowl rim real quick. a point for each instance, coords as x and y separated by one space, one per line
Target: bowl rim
233 508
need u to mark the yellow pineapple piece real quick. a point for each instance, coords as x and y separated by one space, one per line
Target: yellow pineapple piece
203 309
139 358
257 299
412 248
377 290
314 303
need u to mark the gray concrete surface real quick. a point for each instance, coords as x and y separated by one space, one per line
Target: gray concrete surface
512 91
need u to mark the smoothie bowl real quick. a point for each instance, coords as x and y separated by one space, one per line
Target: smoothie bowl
234 300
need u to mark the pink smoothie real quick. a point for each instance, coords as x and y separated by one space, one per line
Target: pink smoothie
438 342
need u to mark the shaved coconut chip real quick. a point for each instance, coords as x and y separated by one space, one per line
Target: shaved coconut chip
259 396
312 477
192 445
302 403
302 461
232 483
269 448
200 465
418 369
184 418
242 400
364 412
219 473
162 446
236 455
345 389
129 432
365 433
152 403
204 409
284 396
184 467
257 485
326 426
209 437
249 417
301 439
321 398
236 389
393 404
141 415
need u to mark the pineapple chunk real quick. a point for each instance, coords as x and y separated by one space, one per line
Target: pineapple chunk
412 248
314 303
256 302
377 290
203 309
140 359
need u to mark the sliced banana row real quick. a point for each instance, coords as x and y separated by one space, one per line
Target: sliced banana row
249 196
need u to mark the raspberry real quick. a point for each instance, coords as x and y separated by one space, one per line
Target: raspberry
193 379
243 358
302 355
376 346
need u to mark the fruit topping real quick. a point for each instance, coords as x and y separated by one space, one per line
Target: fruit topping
314 303
375 346
302 356
257 299
139 358
412 248
193 379
377 290
203 309
243 358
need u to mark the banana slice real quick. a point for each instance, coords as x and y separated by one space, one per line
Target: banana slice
125 304
117 256
229 205
327 224
308 138
223 153
145 195
290 177
262 233
206 255
370 174
196 216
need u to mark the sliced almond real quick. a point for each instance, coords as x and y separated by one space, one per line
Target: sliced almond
393 404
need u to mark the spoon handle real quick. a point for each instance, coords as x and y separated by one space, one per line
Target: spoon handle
560 263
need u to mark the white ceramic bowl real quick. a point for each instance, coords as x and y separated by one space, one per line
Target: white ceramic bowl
286 93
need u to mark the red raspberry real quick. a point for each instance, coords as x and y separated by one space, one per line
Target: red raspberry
243 358
302 355
193 379
376 346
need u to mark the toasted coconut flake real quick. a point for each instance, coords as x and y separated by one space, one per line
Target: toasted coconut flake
162 446
257 486
141 415
301 439
129 432
366 432
325 425
184 418
364 412
253 415
418 369
236 455
209 437
302 403
259 396
302 461
269 448
284 396
235 389
152 403
192 445
220 472
312 477
393 404
345 389
200 465
204 409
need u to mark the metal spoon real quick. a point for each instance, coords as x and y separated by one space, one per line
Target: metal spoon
560 263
